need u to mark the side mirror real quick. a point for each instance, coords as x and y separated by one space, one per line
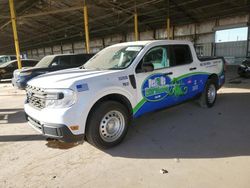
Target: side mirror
147 67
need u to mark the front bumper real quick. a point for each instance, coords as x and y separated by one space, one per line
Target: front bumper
55 123
57 131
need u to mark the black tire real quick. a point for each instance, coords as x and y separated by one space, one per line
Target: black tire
96 118
204 100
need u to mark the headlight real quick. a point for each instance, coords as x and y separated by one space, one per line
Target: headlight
59 98
25 73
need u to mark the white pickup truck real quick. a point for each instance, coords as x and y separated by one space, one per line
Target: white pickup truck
98 100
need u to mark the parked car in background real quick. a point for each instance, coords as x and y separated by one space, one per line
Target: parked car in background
6 58
49 64
244 68
7 69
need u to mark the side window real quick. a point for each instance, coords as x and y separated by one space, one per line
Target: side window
181 54
77 60
28 63
55 62
63 61
158 56
25 63
12 58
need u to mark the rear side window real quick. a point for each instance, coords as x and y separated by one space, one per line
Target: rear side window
181 55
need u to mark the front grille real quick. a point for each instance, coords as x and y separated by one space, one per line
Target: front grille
35 97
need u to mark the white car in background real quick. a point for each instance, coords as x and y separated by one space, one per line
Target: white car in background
6 58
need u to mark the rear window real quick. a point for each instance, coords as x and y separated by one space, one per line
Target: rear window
181 54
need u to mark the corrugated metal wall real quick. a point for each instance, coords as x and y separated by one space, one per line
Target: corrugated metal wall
231 49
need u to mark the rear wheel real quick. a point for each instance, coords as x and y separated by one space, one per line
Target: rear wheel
107 125
209 95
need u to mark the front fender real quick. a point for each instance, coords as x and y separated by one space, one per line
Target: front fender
93 99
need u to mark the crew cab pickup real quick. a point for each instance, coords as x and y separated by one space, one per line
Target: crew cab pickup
98 100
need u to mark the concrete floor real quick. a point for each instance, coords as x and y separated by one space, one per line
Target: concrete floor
198 147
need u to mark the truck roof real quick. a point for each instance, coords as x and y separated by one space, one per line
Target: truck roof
68 54
143 43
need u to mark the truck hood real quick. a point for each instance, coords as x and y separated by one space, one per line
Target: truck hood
66 78
36 69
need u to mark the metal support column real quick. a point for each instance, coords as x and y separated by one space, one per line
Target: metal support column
86 26
136 26
248 37
168 28
13 20
168 21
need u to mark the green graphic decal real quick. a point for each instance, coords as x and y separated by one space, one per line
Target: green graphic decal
177 89
157 86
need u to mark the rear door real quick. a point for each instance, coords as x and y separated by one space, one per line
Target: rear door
186 72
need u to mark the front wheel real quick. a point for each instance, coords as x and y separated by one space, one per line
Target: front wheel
209 95
107 125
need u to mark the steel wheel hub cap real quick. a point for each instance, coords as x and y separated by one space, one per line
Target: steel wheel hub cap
112 126
211 94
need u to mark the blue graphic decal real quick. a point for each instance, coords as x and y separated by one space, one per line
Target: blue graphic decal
82 87
155 88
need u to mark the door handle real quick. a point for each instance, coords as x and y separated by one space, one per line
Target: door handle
192 68
168 73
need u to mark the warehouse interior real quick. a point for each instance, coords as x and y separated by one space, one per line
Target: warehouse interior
185 145
47 27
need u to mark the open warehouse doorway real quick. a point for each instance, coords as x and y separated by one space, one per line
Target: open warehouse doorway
232 44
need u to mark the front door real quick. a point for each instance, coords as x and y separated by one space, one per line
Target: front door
164 86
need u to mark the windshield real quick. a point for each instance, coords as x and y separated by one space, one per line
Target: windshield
114 57
44 62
